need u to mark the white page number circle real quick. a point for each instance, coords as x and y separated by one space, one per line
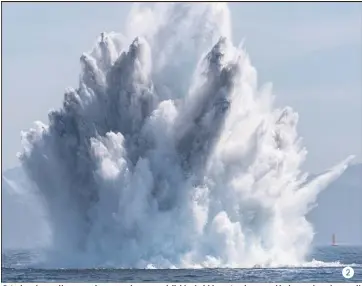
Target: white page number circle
348 272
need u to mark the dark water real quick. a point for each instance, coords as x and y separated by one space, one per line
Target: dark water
14 269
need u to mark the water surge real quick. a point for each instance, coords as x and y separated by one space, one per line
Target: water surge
168 154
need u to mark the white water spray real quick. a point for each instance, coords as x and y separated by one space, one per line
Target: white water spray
169 155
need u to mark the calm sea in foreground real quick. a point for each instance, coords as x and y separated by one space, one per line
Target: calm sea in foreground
15 269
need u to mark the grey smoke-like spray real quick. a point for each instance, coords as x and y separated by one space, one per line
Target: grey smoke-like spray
168 155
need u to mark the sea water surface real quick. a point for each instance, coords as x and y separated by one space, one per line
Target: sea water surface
15 268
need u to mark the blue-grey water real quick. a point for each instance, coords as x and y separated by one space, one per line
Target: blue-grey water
15 269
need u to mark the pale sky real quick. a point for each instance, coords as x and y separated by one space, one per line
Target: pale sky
312 52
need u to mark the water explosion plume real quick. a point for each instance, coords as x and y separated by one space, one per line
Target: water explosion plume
169 155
